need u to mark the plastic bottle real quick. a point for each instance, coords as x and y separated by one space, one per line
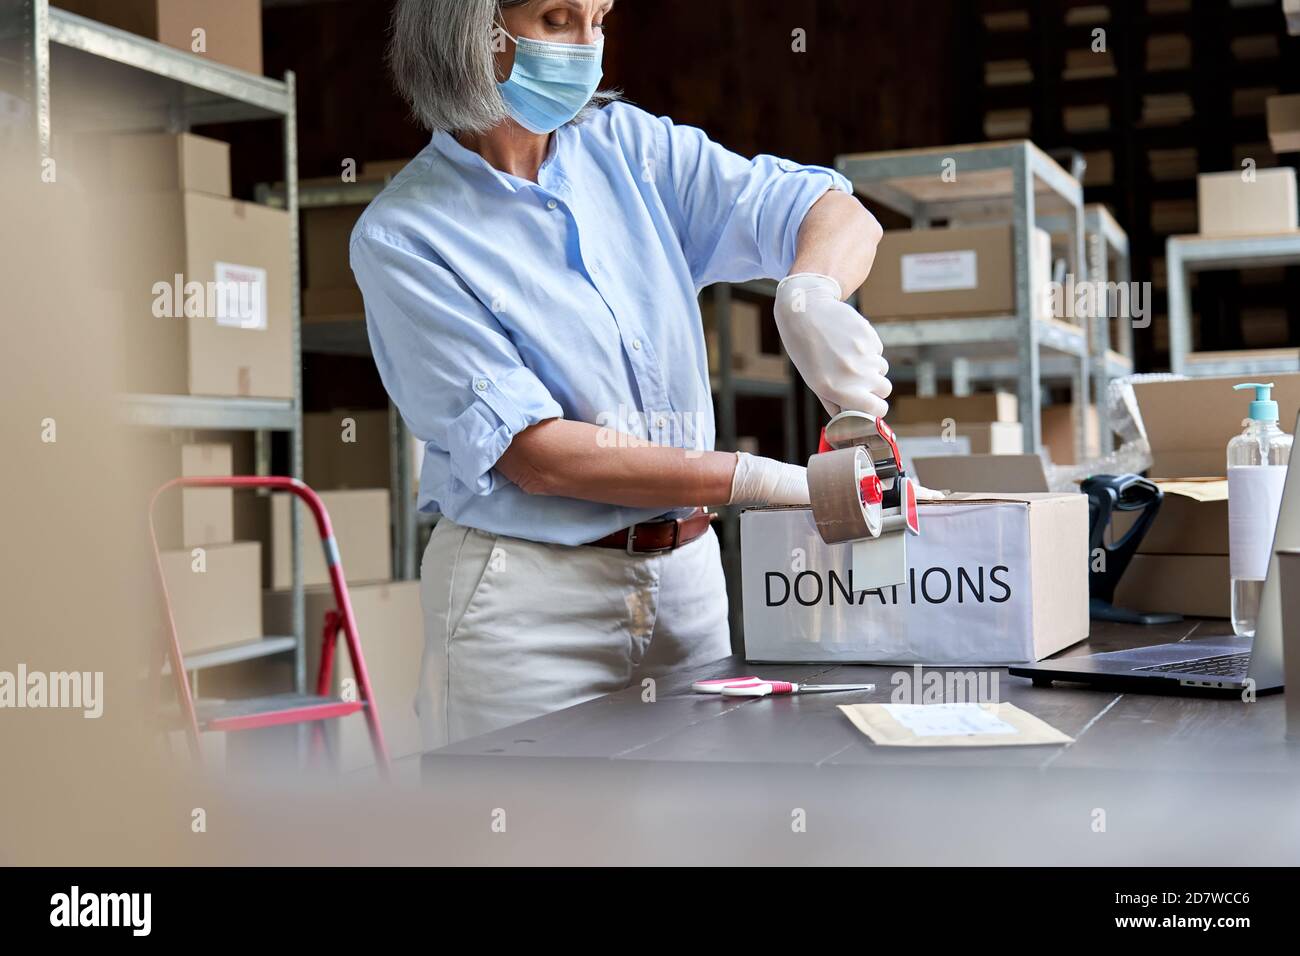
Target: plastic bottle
1257 460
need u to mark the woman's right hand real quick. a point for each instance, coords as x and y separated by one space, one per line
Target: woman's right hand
835 348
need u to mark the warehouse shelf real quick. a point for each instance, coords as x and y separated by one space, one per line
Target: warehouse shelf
235 653
1006 181
1187 254
348 336
125 82
1247 362
204 412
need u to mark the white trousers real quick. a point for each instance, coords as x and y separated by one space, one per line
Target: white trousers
514 629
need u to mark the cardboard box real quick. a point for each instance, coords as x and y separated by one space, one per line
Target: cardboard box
1193 519
391 628
945 272
215 595
1189 423
1227 206
959 438
1283 123
988 584
980 407
202 294
231 30
320 305
360 520
1011 474
326 234
1057 423
167 162
189 517
346 448
1198 585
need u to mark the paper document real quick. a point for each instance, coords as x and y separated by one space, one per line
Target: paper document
938 720
951 725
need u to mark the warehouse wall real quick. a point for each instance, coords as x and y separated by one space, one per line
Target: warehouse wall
874 76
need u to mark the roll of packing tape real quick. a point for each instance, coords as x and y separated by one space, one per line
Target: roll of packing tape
835 489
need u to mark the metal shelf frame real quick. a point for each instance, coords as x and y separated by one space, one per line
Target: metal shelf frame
345 336
183 91
1187 254
1010 181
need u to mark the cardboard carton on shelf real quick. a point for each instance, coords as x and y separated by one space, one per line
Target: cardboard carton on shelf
1229 205
979 407
190 517
215 594
986 585
959 272
1189 423
360 520
959 438
1057 424
228 32
1284 123
326 232
391 629
201 288
346 448
158 162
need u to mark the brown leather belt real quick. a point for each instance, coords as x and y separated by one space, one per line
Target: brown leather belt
652 537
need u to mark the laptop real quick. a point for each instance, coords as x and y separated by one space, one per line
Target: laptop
1225 663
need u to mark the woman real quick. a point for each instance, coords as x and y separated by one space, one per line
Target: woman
531 278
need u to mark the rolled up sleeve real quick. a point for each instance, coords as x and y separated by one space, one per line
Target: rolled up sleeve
738 218
451 370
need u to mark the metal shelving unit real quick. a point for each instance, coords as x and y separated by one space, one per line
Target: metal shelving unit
161 88
1187 254
1012 181
348 337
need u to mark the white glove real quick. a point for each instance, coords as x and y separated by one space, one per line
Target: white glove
834 348
766 481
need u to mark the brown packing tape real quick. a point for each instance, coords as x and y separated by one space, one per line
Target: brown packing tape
836 503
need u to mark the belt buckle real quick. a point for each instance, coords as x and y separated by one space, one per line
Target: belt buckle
631 537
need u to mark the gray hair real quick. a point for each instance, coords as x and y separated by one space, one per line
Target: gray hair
440 54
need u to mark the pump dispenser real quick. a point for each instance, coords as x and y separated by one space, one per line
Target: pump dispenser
1257 460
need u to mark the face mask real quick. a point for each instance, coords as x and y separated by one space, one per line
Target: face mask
550 82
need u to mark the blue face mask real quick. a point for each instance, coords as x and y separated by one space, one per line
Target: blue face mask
550 82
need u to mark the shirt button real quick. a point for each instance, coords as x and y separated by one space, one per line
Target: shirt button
636 344
481 385
661 422
788 166
551 204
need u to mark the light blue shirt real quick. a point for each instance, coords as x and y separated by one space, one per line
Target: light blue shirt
494 303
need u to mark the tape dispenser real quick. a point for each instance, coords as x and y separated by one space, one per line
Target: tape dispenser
861 496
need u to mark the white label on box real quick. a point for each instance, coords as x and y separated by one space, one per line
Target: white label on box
949 720
239 295
940 271
1254 500
967 599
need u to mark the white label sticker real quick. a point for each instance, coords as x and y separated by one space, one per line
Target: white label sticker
940 271
1254 500
239 296
949 720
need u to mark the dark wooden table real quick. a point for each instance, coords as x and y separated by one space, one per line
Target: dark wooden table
697 779
1112 730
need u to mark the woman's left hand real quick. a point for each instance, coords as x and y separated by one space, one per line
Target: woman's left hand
834 347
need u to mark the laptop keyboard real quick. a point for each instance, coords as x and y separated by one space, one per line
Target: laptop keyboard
1225 665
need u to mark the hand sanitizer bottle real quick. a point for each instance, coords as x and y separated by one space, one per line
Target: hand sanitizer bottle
1257 460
